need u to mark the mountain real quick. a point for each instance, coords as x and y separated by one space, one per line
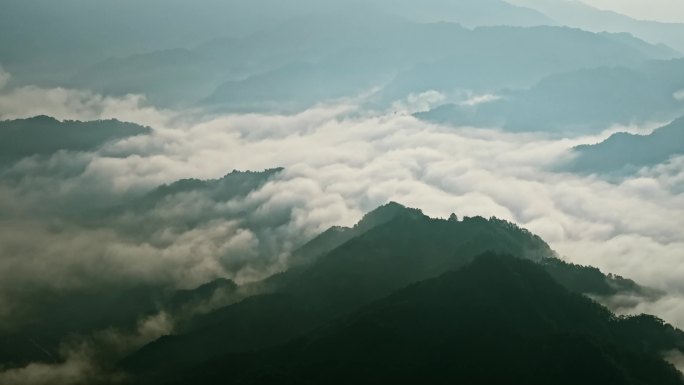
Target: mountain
49 316
578 14
43 41
283 62
62 315
493 60
469 13
132 47
498 320
336 236
141 217
234 184
44 136
439 57
356 49
625 153
583 101
398 247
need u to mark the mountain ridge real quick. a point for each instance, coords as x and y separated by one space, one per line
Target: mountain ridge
626 153
406 249
44 135
445 329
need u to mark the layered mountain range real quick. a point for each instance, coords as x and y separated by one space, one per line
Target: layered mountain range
335 293
129 256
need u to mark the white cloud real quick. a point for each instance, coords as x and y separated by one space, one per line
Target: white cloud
5 77
423 101
77 370
480 99
676 358
679 95
367 161
339 163
84 357
70 104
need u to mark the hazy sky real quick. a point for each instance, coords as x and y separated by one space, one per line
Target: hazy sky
661 10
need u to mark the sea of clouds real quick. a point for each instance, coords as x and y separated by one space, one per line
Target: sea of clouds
340 161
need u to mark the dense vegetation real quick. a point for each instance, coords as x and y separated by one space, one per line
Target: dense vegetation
43 136
393 247
498 320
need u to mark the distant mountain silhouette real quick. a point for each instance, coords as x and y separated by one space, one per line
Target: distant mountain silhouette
43 136
356 48
624 153
577 102
581 15
234 184
44 41
469 13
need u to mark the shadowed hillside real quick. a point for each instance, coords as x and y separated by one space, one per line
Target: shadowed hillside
390 248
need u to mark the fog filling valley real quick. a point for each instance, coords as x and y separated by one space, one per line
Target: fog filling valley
214 187
354 161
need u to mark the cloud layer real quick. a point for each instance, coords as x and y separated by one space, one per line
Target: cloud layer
340 161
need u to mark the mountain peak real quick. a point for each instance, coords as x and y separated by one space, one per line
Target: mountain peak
40 118
386 213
